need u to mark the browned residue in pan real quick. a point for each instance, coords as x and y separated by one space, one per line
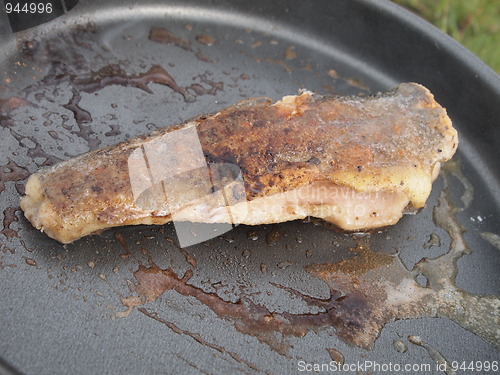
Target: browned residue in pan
366 292
165 36
114 75
191 260
206 39
11 172
9 217
197 337
82 116
11 103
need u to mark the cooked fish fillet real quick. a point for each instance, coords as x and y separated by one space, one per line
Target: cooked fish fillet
357 162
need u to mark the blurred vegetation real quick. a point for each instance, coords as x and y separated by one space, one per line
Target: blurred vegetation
473 23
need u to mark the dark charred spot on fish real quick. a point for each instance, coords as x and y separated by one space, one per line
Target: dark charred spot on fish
272 166
66 192
223 154
360 168
96 188
314 160
259 124
256 187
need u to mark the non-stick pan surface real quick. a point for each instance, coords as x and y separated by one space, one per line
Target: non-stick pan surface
248 301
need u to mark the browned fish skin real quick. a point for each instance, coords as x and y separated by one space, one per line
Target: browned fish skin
390 143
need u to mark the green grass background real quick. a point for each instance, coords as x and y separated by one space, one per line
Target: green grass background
473 23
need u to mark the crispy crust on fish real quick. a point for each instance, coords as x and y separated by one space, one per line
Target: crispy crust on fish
391 143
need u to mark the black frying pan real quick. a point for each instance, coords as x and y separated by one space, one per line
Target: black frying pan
59 303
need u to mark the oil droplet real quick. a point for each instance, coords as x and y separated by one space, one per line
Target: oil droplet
290 53
115 130
205 39
434 240
400 346
202 57
30 262
227 239
357 83
54 135
336 356
284 265
333 73
252 236
164 36
273 237
263 268
434 354
91 263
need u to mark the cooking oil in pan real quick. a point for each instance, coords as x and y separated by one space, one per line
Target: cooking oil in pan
366 291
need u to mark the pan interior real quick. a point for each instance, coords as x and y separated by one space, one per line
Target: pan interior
95 80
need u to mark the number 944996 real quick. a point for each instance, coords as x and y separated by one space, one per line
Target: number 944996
28 8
